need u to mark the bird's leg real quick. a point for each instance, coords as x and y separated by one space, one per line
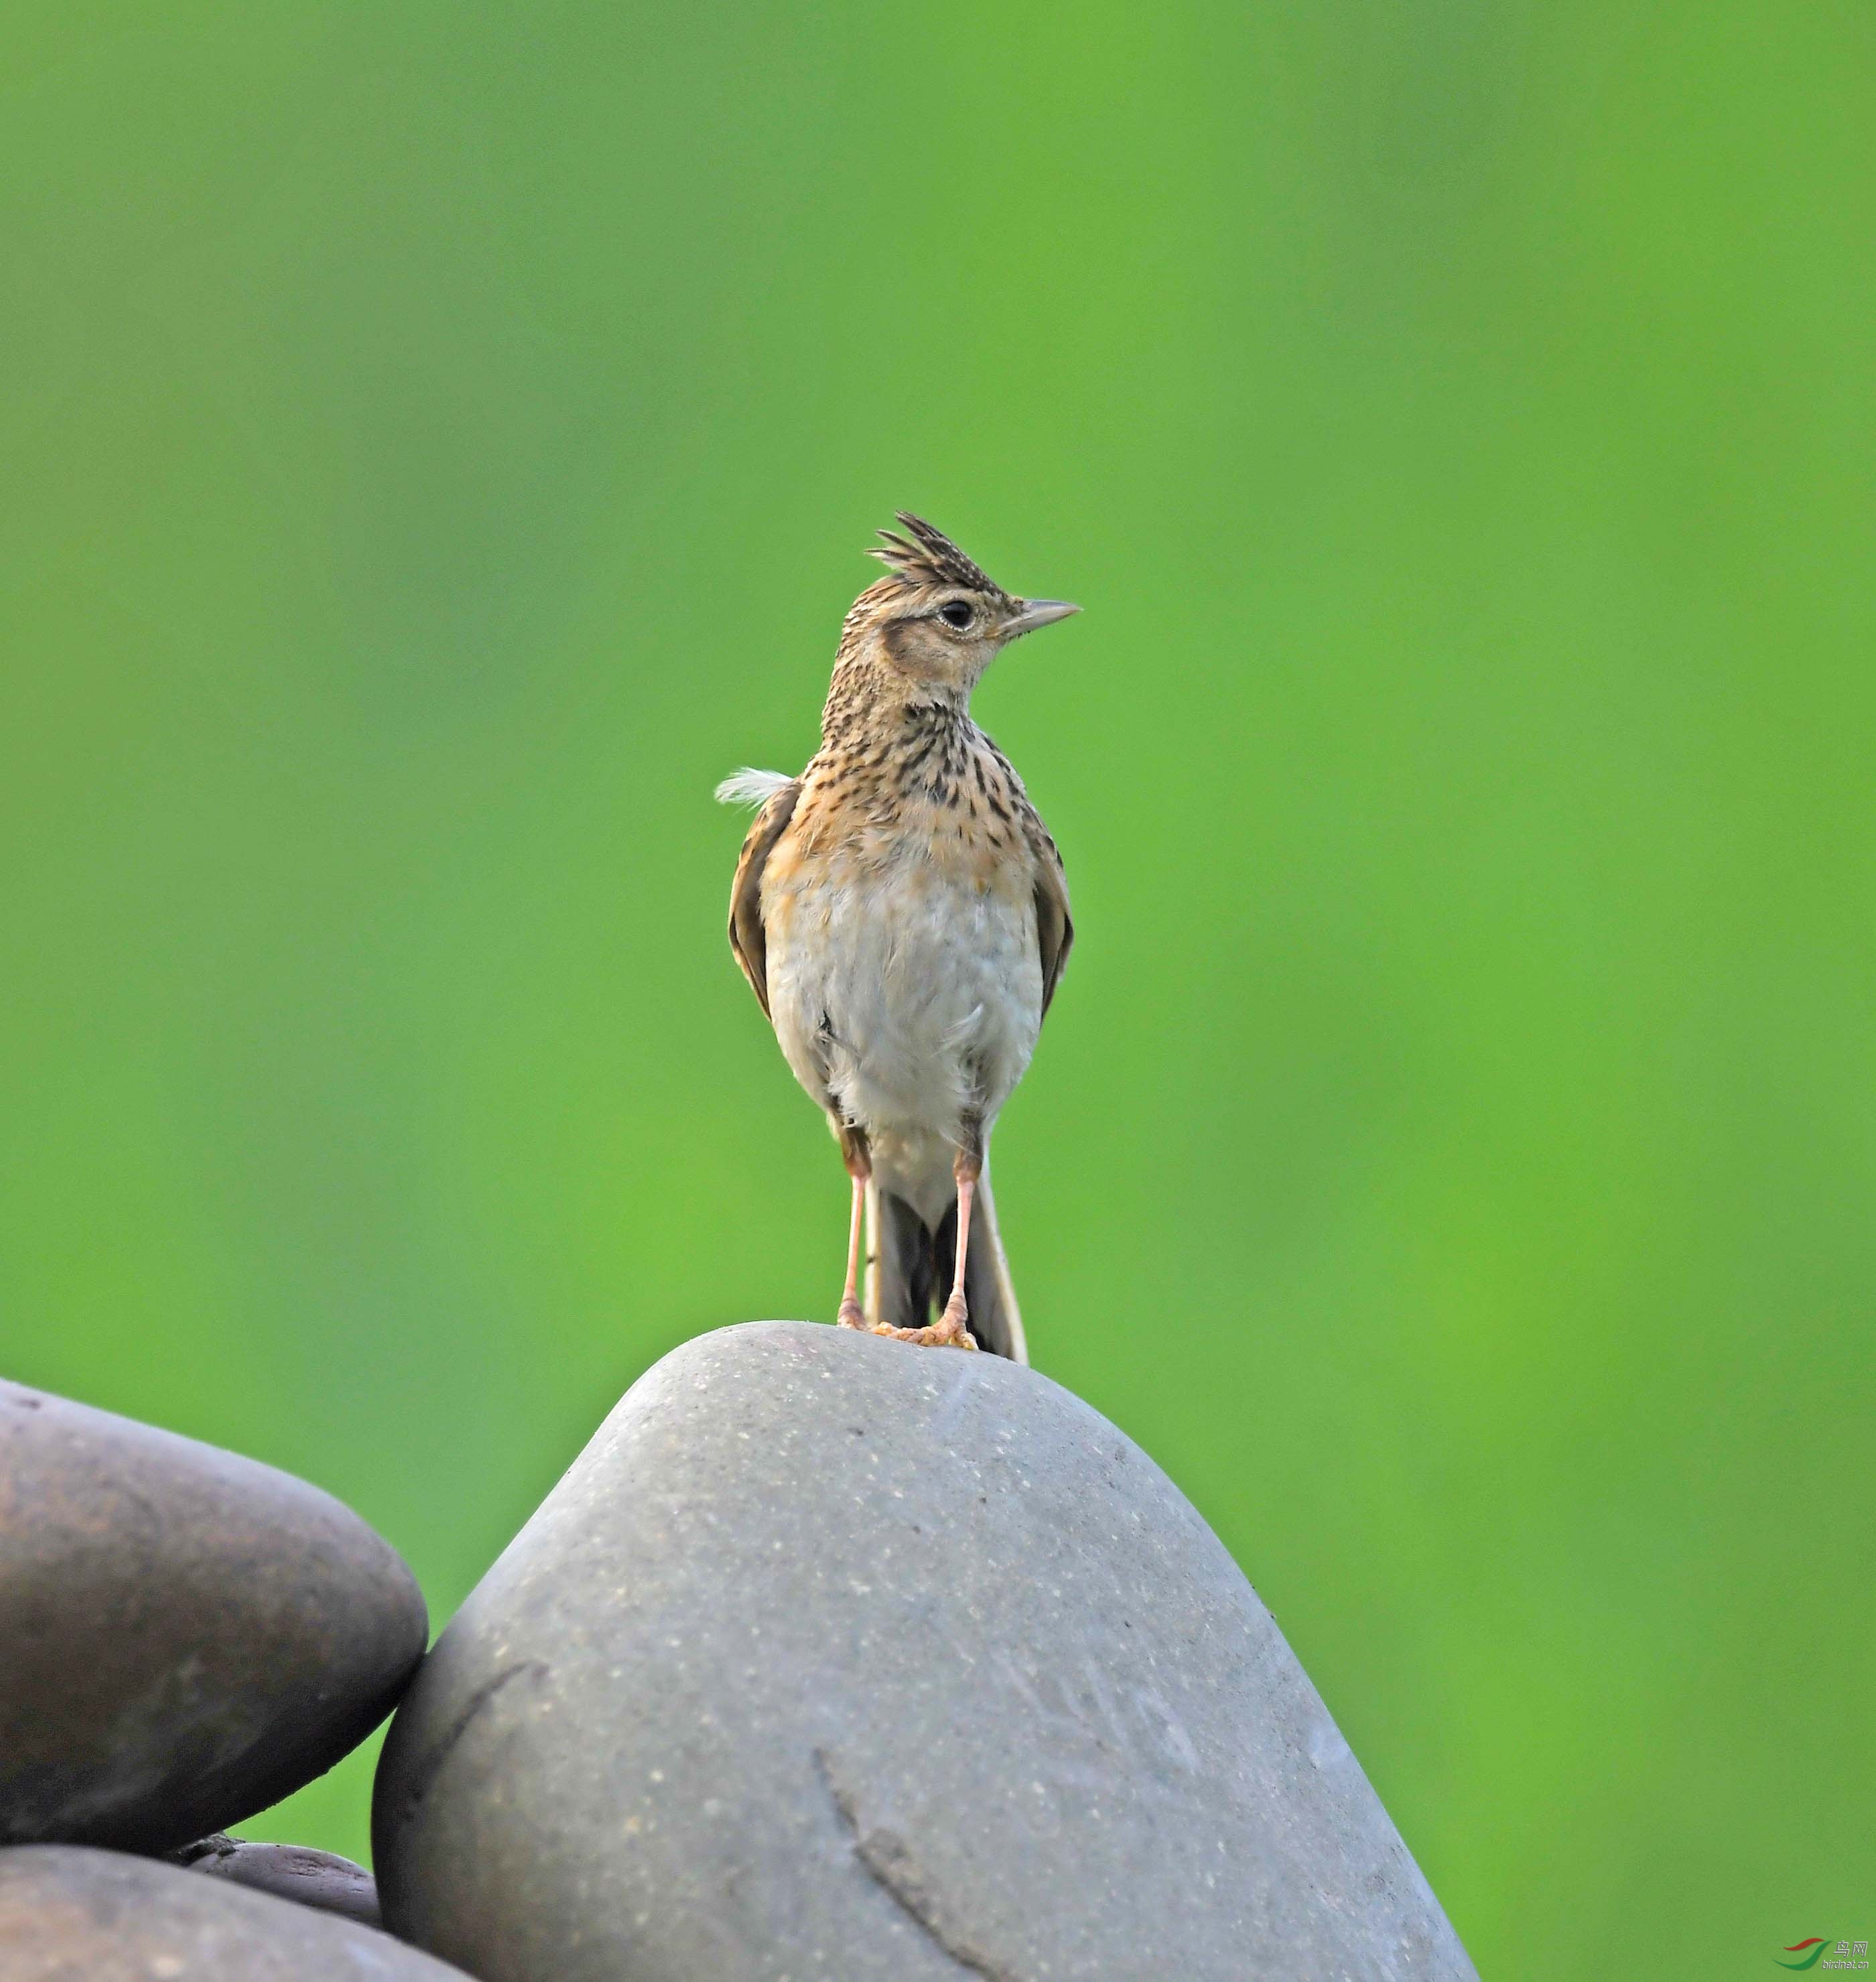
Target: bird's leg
949 1331
859 1168
951 1324
852 1314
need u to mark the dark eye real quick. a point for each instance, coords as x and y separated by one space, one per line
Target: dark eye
956 613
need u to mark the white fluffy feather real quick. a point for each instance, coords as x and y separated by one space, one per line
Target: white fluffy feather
748 787
912 999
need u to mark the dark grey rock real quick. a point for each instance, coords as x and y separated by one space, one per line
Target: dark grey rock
71 1915
185 1636
296 1872
834 1658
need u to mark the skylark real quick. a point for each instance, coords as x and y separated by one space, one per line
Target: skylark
900 912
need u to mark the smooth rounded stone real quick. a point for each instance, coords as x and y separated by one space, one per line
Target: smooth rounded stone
68 1914
296 1872
835 1657
185 1636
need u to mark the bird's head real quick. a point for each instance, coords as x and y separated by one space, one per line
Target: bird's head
937 617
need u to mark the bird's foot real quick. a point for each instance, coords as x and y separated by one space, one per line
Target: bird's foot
852 1315
936 1337
947 1332
951 1329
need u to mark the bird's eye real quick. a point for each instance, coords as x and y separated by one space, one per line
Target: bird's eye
956 613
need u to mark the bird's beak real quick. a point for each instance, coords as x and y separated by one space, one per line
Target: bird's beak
1036 612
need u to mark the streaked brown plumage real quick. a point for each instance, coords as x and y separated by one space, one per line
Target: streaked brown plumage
900 912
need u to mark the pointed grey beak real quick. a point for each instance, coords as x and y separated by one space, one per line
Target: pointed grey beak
1037 612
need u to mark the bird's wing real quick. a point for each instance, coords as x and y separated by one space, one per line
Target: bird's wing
1054 928
746 936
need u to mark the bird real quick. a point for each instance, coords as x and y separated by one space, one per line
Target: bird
901 913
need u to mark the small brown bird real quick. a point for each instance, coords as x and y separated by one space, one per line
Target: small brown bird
900 912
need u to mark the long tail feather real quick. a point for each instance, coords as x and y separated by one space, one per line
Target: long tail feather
997 1301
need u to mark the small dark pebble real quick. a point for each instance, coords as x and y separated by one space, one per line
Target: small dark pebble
297 1872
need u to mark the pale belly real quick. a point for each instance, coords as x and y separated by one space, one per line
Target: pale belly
915 997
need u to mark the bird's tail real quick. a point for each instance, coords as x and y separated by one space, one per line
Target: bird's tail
910 1268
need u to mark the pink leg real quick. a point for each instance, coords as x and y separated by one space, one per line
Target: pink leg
852 1314
951 1323
949 1330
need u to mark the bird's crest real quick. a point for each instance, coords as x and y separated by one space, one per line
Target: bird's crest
924 556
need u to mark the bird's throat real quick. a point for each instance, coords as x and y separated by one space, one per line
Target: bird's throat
873 706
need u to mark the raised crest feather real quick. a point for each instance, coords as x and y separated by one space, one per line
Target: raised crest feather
924 556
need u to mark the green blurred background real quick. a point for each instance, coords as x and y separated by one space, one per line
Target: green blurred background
438 442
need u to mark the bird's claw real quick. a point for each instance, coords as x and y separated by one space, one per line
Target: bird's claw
852 1315
947 1332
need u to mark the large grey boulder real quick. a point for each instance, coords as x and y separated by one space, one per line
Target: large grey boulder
185 1636
71 1915
836 1657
